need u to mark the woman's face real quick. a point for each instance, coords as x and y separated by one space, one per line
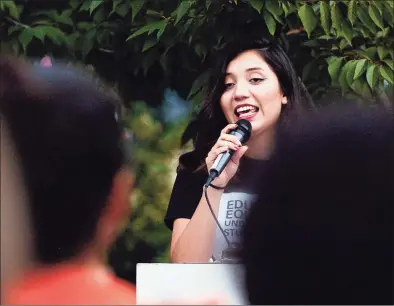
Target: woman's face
252 92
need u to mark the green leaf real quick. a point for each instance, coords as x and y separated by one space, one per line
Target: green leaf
350 72
308 18
325 19
366 90
149 43
208 4
201 51
85 25
371 75
389 63
342 78
336 18
352 11
269 22
93 5
157 25
114 6
161 31
199 83
12 9
256 4
74 4
375 16
123 9
25 37
356 86
88 42
382 52
364 54
136 6
40 34
365 19
199 96
347 31
13 29
387 74
65 18
379 5
182 9
343 44
372 52
273 6
99 15
334 67
388 14
72 39
361 67
85 6
55 34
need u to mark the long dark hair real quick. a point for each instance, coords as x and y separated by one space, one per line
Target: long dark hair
205 128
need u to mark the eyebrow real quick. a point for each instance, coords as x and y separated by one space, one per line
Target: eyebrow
249 69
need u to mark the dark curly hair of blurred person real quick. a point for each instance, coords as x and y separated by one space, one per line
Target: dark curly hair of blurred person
322 229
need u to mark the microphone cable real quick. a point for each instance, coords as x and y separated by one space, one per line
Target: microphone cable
213 213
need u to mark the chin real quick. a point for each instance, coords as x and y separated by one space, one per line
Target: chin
259 128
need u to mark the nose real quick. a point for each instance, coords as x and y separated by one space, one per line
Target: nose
241 92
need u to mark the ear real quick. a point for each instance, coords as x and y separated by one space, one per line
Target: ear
284 100
118 208
122 183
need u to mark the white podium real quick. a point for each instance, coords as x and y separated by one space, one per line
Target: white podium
171 282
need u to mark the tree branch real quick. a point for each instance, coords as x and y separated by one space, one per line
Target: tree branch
17 23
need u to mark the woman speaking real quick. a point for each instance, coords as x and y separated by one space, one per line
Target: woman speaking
255 82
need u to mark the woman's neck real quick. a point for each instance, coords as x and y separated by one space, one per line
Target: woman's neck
262 145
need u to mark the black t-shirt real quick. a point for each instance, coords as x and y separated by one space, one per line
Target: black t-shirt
234 203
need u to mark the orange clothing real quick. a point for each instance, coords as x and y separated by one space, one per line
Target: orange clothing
67 285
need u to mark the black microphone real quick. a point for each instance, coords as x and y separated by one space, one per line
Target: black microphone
242 132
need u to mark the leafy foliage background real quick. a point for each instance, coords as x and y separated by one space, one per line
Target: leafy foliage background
143 47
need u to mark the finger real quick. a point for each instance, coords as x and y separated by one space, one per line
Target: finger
213 154
228 128
238 154
226 143
231 138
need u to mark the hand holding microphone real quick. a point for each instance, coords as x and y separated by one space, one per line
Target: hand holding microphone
223 159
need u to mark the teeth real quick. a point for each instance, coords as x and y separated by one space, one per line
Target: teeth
244 108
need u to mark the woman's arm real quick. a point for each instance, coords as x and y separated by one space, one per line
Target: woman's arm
192 239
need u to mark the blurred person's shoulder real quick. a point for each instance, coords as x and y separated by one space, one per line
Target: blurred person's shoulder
70 285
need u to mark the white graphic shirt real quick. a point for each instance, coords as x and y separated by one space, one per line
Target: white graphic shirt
233 209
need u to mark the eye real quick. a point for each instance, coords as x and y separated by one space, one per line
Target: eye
256 80
228 86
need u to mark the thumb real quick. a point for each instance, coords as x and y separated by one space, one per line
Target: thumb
238 154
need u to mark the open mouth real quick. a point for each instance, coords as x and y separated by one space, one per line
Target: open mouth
245 111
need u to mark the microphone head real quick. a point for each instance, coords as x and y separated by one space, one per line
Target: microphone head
246 127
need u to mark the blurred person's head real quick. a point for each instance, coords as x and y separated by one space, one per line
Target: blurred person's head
68 135
16 239
322 229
